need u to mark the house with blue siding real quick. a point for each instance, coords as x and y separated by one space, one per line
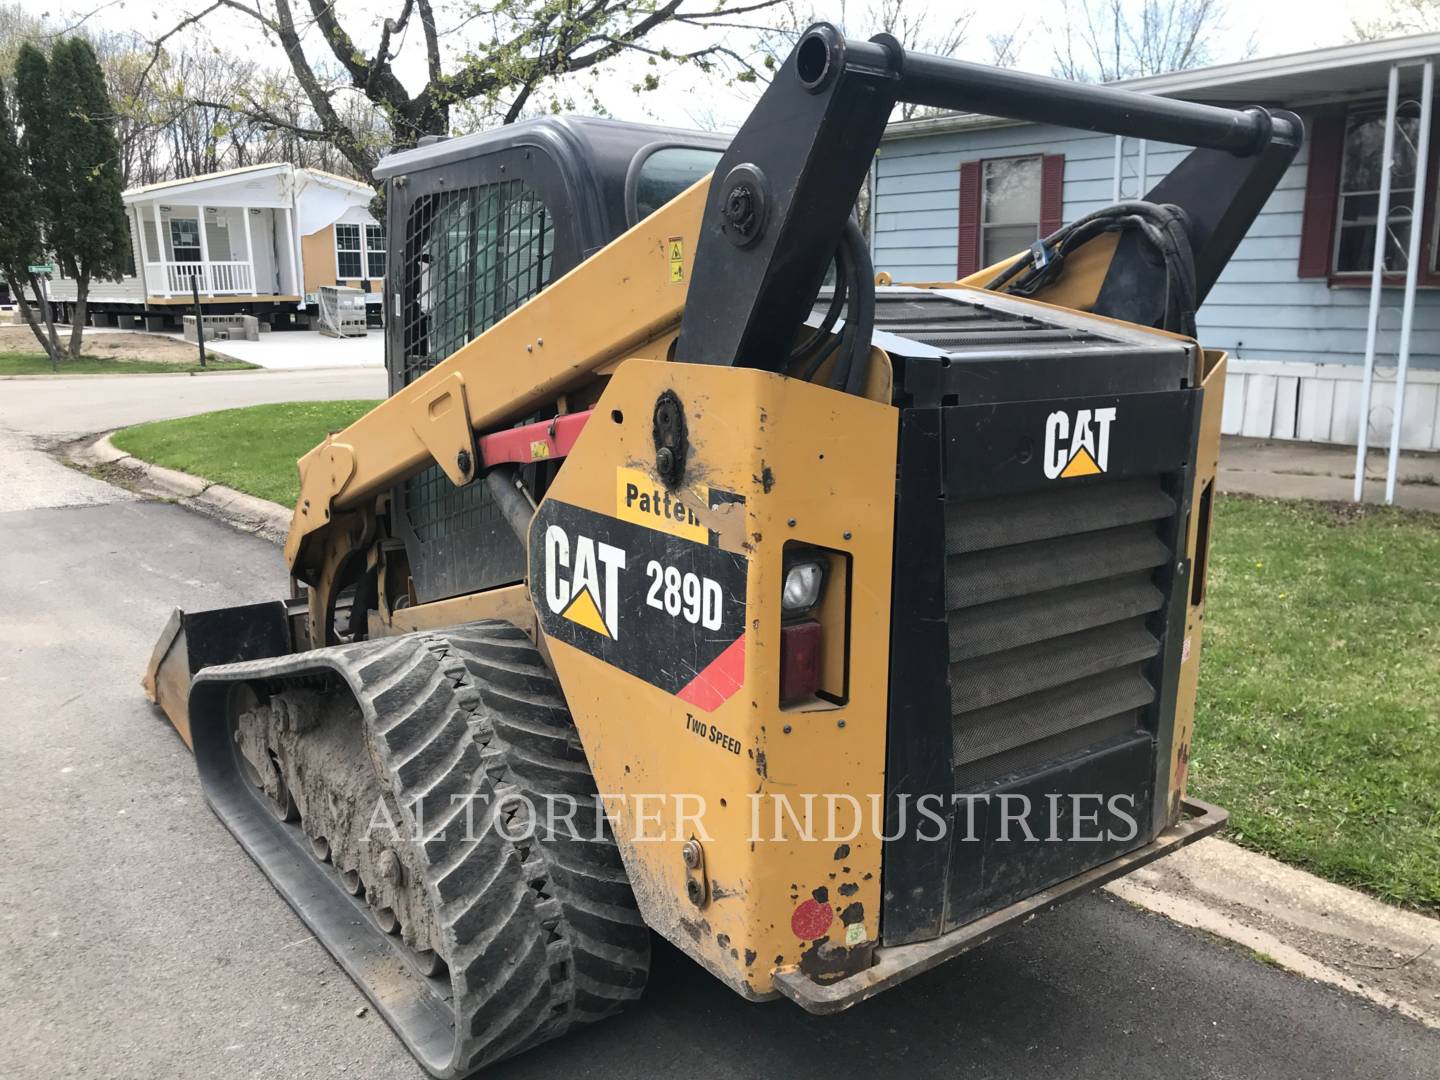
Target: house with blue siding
955 193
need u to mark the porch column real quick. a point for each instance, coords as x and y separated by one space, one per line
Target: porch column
292 243
249 251
207 276
160 254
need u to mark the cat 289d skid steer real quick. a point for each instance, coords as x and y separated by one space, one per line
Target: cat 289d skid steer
695 578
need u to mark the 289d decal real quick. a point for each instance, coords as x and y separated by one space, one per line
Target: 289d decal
662 607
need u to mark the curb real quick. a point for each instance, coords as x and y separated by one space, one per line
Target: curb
1294 920
245 512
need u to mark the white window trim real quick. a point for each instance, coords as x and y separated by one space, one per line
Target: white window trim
364 250
170 223
368 250
984 202
1341 194
335 237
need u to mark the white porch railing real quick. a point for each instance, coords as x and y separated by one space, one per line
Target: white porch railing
215 278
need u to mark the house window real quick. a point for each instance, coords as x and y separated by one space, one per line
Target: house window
185 239
1006 204
375 252
1339 229
349 261
1010 208
1361 163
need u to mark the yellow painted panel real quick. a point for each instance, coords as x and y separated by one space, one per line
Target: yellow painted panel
1206 462
814 466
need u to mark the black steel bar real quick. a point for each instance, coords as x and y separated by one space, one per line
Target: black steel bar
1014 95
781 195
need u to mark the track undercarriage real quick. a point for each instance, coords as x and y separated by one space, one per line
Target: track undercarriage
384 788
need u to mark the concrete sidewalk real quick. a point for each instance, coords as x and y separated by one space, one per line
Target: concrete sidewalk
1283 469
306 350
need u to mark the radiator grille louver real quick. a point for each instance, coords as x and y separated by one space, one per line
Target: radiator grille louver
1049 598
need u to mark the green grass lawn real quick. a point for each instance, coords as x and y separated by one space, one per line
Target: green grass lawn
1318 721
1319 709
35 363
252 450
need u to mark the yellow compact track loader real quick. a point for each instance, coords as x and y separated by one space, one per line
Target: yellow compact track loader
696 579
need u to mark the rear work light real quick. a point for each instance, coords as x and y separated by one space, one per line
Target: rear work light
814 605
800 636
803 582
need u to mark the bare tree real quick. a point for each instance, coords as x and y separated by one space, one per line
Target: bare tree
1005 46
1399 18
17 26
1106 40
499 55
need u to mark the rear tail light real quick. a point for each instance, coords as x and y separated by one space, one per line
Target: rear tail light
799 660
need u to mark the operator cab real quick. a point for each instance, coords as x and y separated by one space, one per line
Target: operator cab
477 225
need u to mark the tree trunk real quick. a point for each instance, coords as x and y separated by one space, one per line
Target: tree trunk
77 317
30 316
47 309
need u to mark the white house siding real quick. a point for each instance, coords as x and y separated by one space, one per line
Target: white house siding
1297 346
128 290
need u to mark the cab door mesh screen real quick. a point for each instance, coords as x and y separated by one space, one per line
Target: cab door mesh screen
472 256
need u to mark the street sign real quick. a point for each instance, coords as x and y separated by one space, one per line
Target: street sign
41 268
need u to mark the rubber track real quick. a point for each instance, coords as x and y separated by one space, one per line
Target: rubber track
540 935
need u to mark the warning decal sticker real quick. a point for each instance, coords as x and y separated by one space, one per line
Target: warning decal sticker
662 607
676 246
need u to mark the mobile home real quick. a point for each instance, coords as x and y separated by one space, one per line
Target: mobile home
258 240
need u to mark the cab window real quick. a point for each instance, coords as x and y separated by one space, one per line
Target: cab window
667 172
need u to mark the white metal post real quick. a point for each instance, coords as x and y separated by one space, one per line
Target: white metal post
249 249
292 244
1412 275
1377 275
160 254
1119 160
207 275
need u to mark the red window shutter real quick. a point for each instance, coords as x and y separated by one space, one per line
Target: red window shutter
967 259
1052 193
1322 194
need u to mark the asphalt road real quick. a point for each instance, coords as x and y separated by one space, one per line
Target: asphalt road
137 940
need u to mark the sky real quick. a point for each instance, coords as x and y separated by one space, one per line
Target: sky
691 99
